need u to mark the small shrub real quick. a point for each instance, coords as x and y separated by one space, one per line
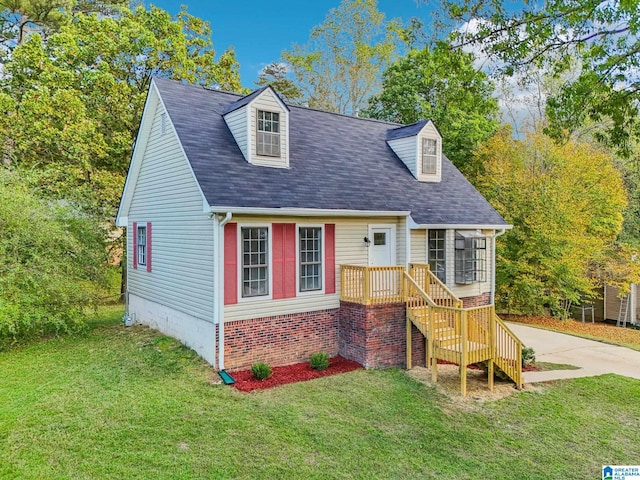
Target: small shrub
528 356
319 361
261 371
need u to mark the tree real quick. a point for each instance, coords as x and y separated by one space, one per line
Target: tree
598 39
565 203
52 263
441 84
275 74
71 105
339 68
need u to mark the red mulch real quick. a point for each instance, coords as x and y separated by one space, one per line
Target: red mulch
298 372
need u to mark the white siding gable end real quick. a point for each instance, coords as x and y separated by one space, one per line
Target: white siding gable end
425 168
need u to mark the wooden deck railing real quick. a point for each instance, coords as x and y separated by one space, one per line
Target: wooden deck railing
461 335
370 285
432 286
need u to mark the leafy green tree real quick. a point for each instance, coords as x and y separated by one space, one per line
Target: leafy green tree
565 203
339 68
598 39
71 105
441 84
52 263
275 74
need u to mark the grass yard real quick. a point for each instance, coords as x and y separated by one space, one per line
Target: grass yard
121 403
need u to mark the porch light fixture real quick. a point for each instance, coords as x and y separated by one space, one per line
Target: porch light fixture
367 242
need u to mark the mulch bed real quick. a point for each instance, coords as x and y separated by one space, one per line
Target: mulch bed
298 372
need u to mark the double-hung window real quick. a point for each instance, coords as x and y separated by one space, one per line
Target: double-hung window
437 254
255 261
142 245
429 156
268 133
470 257
310 258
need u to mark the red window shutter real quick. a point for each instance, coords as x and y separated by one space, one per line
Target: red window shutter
230 263
148 246
330 258
135 245
289 260
283 256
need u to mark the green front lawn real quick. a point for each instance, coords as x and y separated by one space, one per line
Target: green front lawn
127 403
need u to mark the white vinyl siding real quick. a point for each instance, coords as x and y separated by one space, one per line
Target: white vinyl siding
267 102
350 249
237 123
406 150
167 195
418 246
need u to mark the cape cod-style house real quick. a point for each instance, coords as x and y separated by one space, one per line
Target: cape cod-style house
260 231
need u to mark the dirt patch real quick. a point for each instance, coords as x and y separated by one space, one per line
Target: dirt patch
477 385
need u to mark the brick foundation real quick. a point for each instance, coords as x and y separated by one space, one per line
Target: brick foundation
280 340
375 335
477 301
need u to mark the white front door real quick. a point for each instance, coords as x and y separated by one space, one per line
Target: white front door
382 250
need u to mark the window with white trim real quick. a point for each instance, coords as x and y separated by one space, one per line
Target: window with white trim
470 257
268 133
255 261
437 254
142 245
310 258
429 156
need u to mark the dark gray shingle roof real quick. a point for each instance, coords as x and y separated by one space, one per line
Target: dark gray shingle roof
336 162
406 130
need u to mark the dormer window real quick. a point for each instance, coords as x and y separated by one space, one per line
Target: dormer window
268 137
429 156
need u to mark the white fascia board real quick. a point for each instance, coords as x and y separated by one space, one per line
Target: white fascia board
150 107
308 212
460 226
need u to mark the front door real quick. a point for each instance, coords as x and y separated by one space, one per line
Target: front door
382 253
382 248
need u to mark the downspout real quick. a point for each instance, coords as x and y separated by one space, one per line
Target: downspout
493 258
219 310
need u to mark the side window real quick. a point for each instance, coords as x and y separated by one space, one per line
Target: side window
255 261
437 254
470 257
310 258
142 245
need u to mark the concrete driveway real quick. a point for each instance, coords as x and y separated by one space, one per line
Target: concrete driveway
593 358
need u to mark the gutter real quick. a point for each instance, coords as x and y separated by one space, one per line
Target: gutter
496 234
219 286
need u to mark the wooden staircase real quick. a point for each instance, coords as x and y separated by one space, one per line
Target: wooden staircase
456 334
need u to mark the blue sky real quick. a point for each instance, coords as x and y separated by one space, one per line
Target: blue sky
260 30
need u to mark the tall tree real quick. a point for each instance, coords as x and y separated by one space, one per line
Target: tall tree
340 67
566 203
71 105
598 39
441 84
275 74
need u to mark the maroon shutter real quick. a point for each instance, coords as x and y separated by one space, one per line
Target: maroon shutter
283 256
330 258
148 246
135 245
230 263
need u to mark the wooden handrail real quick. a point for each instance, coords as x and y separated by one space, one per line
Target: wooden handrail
427 268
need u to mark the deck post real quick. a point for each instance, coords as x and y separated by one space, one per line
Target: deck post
408 343
365 287
464 359
491 373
